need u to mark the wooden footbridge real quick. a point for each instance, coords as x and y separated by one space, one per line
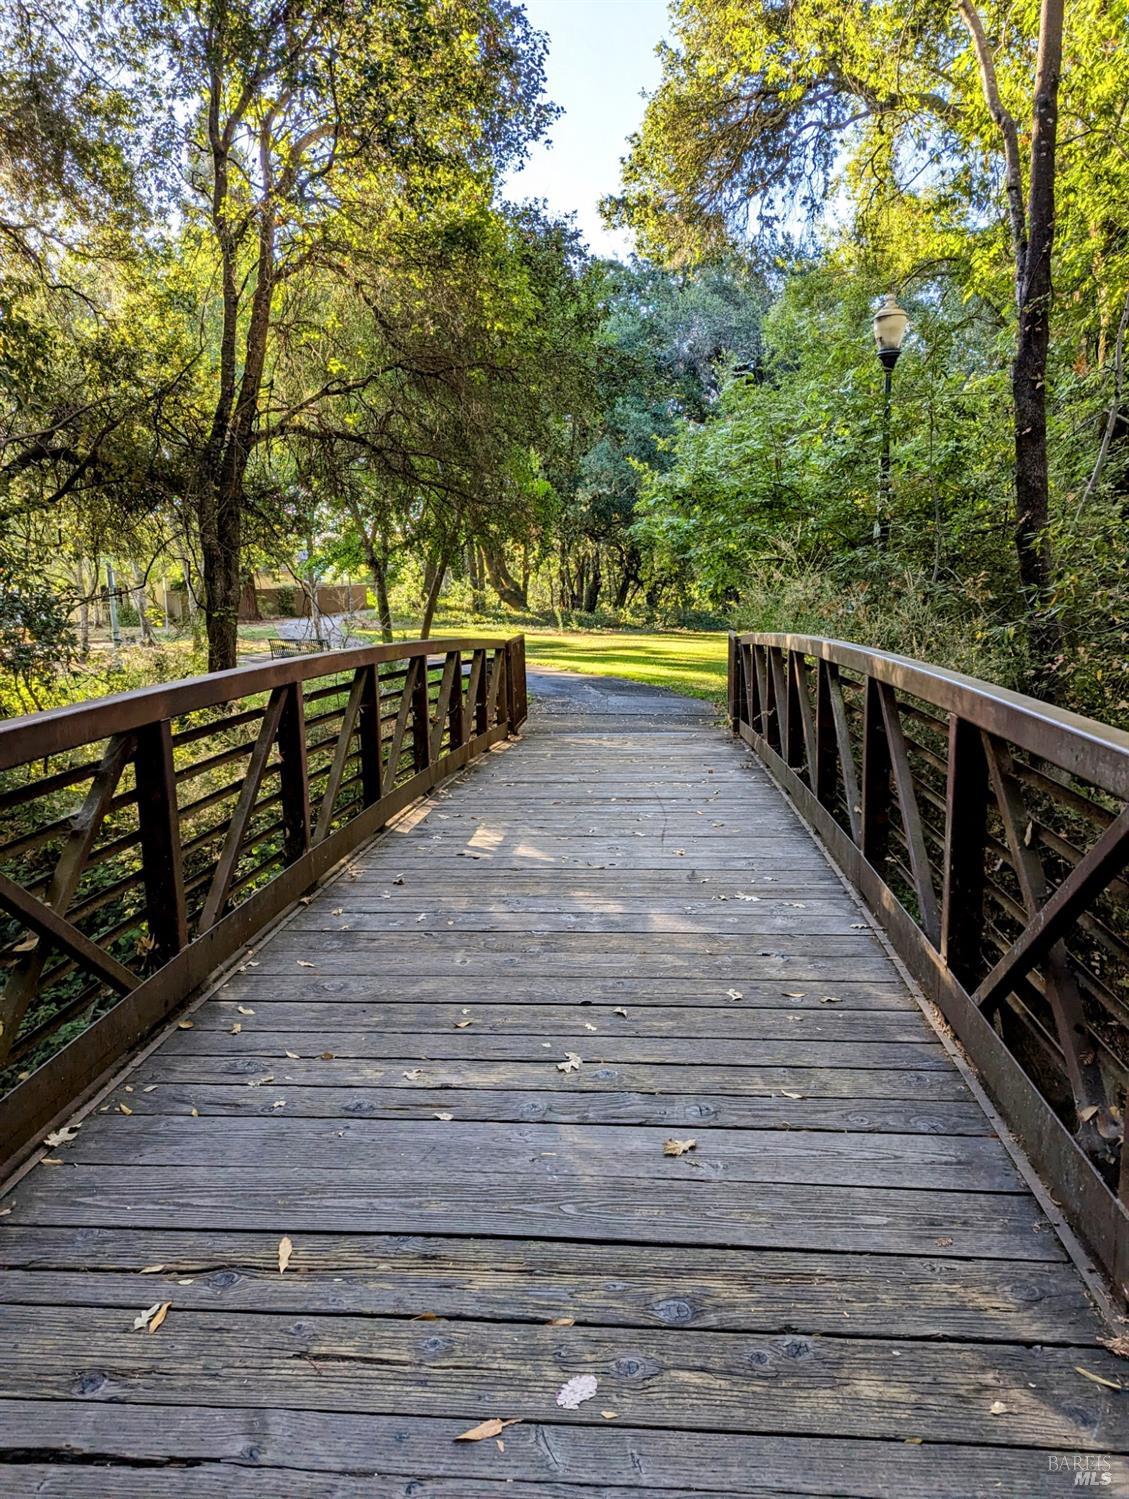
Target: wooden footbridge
384 1070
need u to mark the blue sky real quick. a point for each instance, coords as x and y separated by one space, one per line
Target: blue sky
601 58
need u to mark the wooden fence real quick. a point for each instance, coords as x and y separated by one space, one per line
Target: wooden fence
988 833
146 838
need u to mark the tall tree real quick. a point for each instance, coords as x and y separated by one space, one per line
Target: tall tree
760 108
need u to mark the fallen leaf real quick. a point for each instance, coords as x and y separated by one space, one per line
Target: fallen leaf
293 1055
184 1025
327 1056
678 1147
124 1108
793 993
303 964
446 1118
610 1415
285 1250
829 999
399 880
1087 1113
195 1113
337 911
257 1082
413 1074
790 1095
162 1313
1120 1346
489 1428
236 1028
619 1010
914 1441
570 1064
734 994
142 1318
576 1391
244 1010
997 1408
563 1322
1110 1384
61 1136
461 1025
150 1269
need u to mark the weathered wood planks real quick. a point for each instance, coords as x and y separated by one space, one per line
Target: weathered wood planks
847 1262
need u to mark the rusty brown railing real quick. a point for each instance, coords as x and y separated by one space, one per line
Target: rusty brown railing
146 838
988 833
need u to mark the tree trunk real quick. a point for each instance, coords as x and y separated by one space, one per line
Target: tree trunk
476 579
506 586
141 604
83 610
591 600
1032 235
221 526
1029 372
437 571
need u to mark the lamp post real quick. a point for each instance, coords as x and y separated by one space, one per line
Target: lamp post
890 324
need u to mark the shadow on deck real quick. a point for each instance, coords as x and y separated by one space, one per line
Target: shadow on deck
450 1080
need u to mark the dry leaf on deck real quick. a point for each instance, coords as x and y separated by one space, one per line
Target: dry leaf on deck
563 1322
1120 1346
150 1269
142 1318
236 1028
61 1136
486 1429
124 1108
184 1025
413 1074
790 1095
244 1010
285 1250
997 1408
678 1147
734 994
293 1055
619 1010
1110 1384
461 1025
577 1390
829 999
162 1313
610 1415
446 1118
303 964
326 1056
570 1064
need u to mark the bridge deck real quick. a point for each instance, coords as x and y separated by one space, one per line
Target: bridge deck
844 1288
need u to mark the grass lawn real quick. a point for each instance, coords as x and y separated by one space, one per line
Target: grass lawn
692 662
687 661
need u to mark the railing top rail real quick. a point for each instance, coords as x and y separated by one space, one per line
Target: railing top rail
1082 746
59 729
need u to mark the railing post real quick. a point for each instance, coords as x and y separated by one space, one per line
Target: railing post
966 832
368 736
158 821
421 717
516 692
875 779
294 785
456 713
733 682
823 772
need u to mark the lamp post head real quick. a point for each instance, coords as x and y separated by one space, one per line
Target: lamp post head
890 324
